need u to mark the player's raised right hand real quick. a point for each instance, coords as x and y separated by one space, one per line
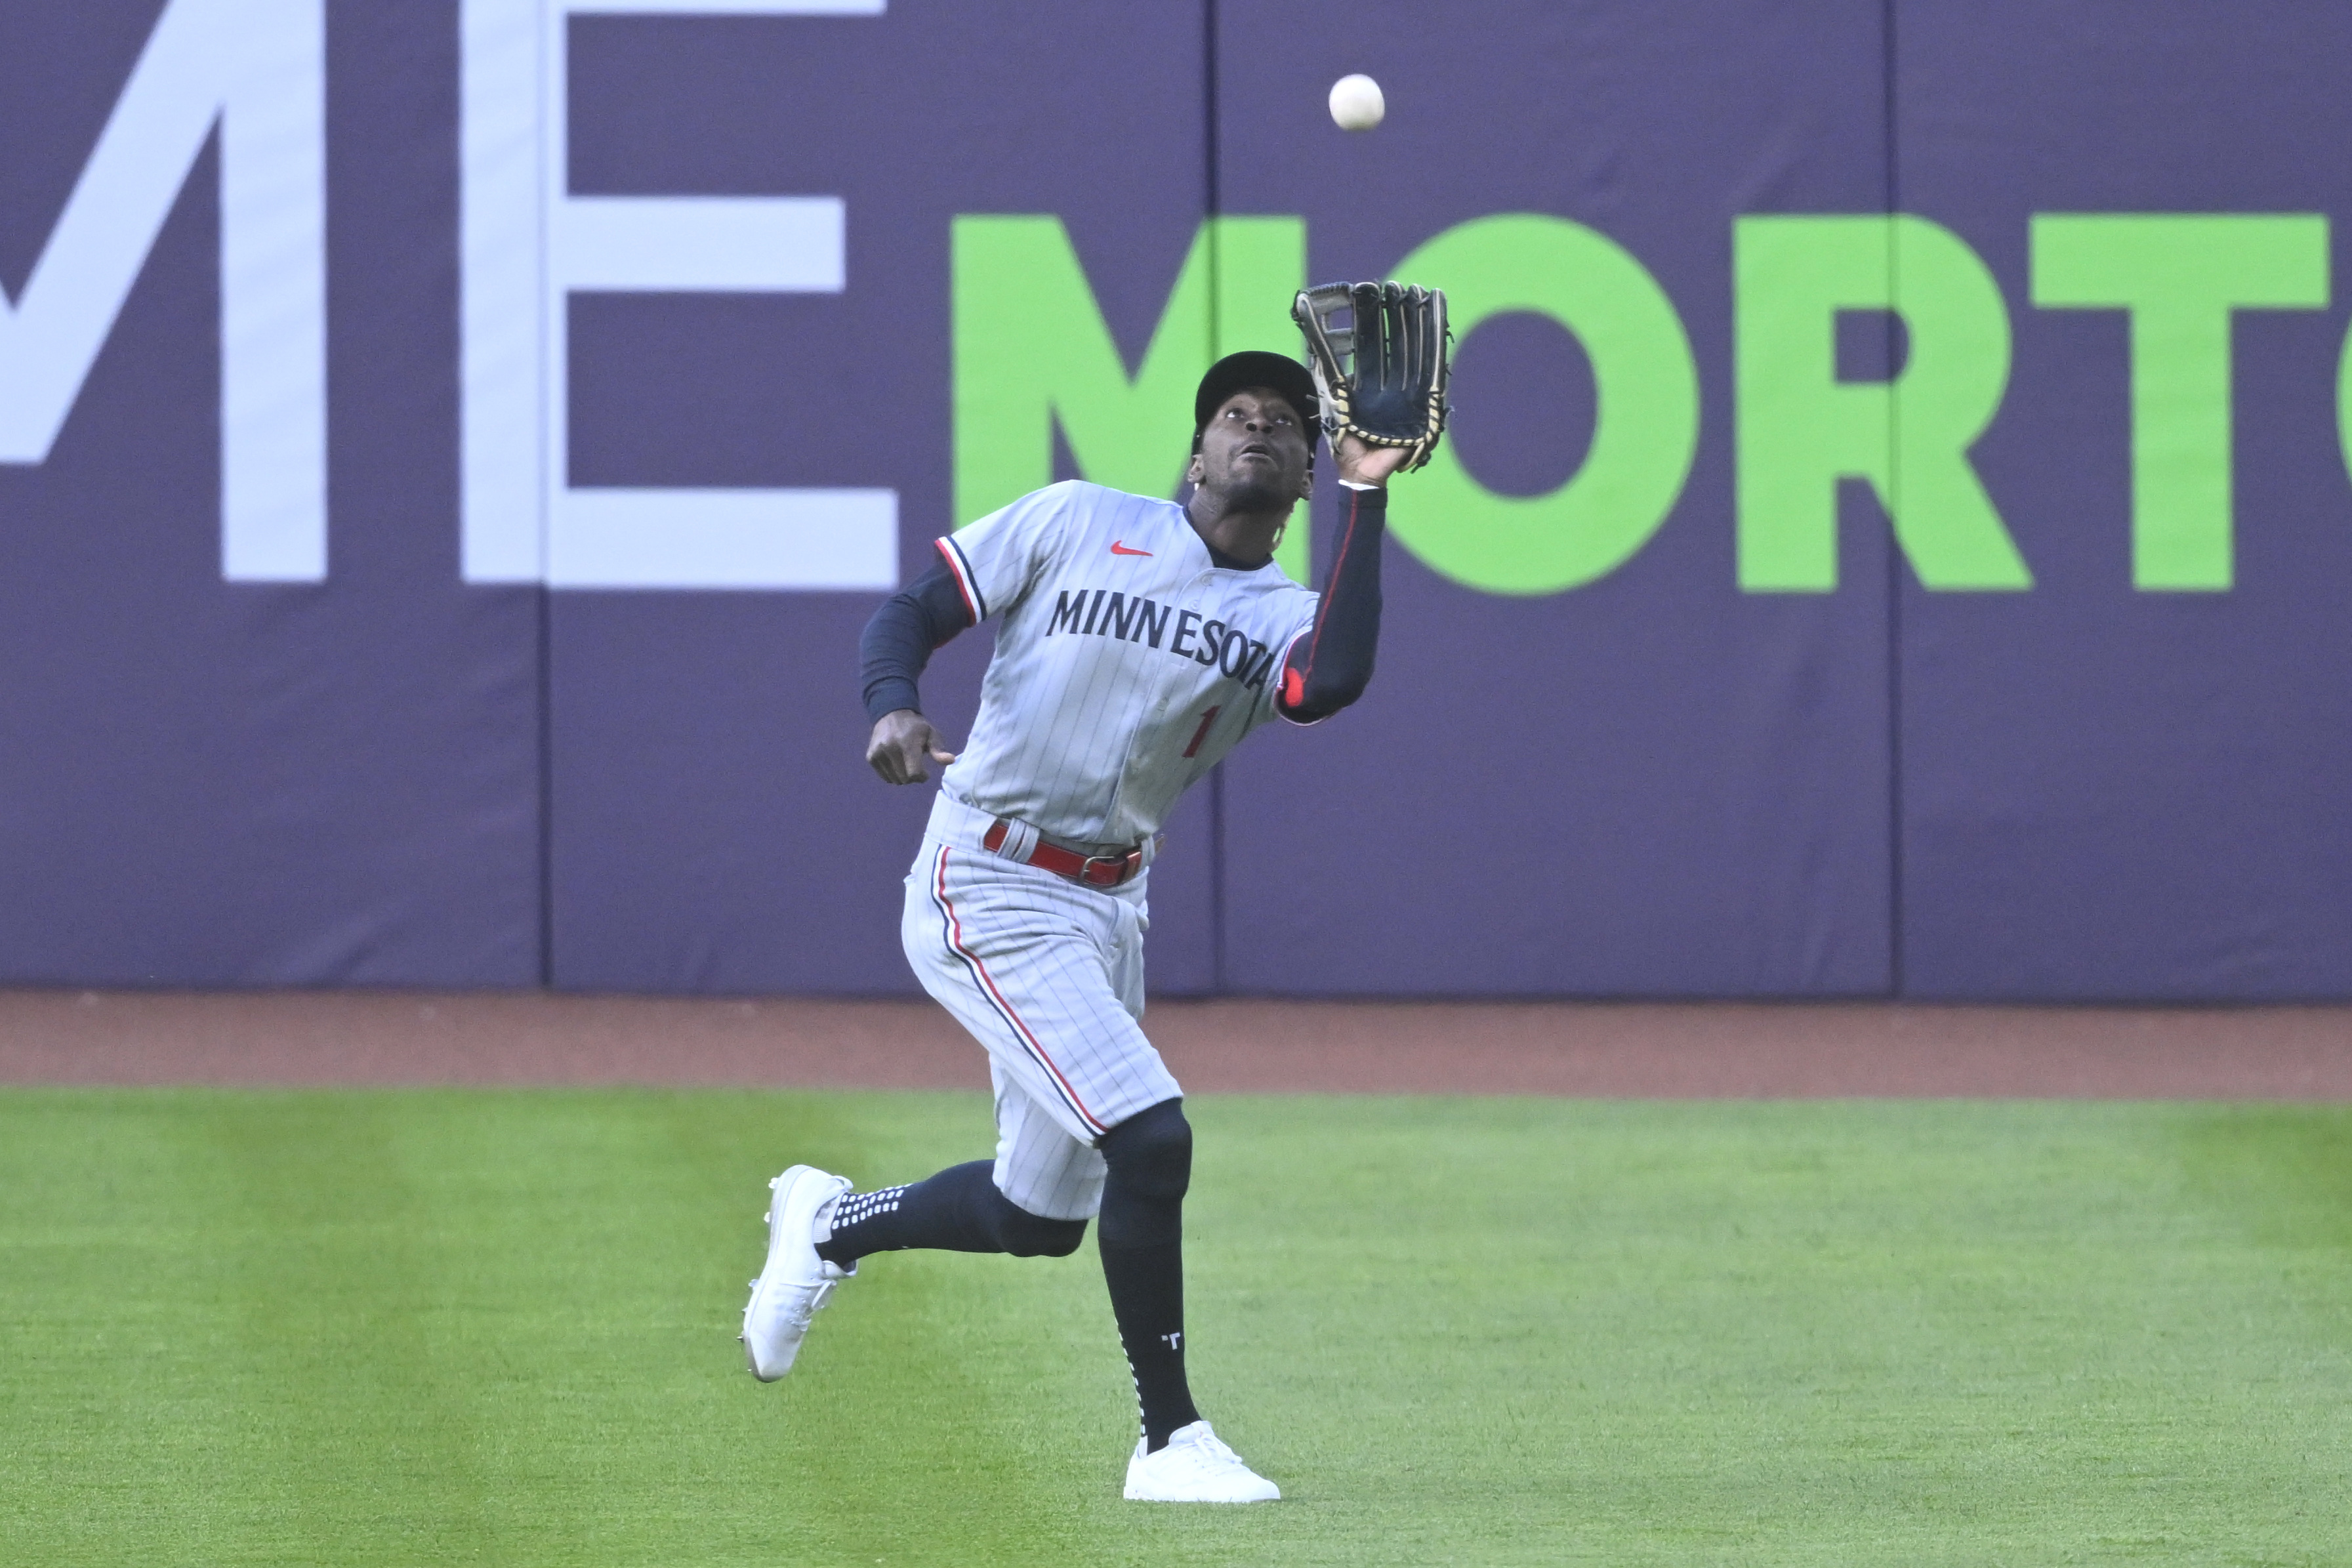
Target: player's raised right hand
900 745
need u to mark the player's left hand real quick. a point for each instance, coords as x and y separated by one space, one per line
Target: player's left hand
1361 463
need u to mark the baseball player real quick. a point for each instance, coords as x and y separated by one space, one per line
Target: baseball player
1137 641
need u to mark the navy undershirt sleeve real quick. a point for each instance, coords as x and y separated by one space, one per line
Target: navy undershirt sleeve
1331 665
897 642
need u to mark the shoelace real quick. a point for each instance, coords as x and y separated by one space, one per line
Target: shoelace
818 1296
1210 1453
800 1315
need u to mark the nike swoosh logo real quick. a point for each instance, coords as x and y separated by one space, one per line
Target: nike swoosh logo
1119 549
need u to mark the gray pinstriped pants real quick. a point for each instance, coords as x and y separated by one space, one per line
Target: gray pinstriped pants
1048 975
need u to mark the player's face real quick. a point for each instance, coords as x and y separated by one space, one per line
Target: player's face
1256 450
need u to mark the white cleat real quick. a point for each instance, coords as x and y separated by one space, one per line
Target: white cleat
1195 1466
796 1283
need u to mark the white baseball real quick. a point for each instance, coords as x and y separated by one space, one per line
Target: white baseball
1356 103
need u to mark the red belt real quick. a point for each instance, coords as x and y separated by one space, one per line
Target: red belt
1094 870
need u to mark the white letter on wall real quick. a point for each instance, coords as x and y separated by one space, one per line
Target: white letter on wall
257 69
527 244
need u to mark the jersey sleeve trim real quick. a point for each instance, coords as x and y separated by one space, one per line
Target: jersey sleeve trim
966 583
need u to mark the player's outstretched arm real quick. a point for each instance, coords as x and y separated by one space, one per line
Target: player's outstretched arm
896 646
1331 667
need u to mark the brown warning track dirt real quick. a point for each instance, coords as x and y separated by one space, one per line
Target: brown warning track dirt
1666 1050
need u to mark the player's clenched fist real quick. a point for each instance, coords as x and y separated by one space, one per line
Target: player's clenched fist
902 742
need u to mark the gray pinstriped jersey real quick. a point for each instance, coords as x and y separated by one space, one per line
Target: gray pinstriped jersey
1127 662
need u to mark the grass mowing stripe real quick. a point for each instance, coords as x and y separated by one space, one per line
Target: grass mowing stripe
104 1410
410 1326
402 1326
1824 1333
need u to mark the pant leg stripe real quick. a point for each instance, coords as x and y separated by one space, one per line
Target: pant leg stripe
951 930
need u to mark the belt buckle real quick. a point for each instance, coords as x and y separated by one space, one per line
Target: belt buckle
1109 870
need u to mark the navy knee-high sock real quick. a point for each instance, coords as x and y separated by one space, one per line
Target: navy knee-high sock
1142 1243
959 1210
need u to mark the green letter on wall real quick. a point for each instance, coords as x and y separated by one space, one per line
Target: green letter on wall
1031 349
1644 430
2180 276
1800 429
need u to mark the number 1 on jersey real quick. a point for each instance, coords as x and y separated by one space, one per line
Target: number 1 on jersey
1202 733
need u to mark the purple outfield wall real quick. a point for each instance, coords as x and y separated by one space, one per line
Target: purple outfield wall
439 561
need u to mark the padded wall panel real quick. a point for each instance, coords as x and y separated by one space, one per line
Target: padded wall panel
207 783
715 825
1654 783
2109 791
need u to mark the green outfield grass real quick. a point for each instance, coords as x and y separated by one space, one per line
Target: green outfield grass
421 1327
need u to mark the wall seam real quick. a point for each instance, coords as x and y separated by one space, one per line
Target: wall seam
1211 203
544 596
542 593
1897 983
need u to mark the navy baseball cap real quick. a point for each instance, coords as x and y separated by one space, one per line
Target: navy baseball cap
1257 367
